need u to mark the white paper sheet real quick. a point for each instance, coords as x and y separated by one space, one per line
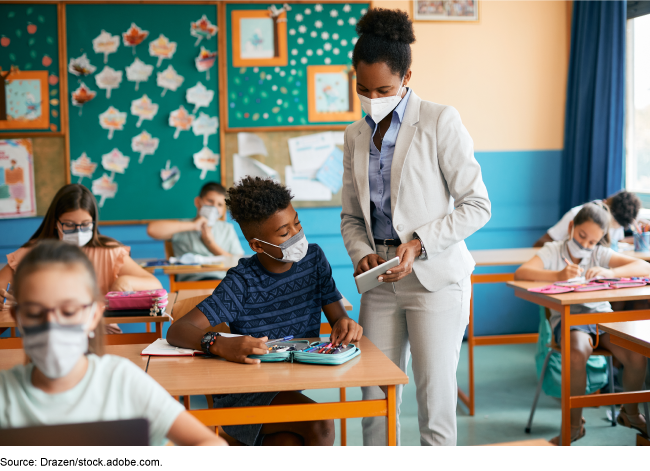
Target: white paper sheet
243 166
250 144
309 153
305 188
337 137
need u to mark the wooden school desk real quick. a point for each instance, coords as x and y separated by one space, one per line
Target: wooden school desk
16 356
110 339
225 265
634 336
492 258
182 376
562 303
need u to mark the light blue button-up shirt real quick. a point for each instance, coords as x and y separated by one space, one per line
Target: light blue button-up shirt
379 173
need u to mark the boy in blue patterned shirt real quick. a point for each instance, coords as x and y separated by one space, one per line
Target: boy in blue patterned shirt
279 291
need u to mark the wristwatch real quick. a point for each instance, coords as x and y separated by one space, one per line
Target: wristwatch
207 341
423 255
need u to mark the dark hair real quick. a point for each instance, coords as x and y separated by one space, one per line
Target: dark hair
51 252
385 36
597 213
70 198
253 200
212 186
625 207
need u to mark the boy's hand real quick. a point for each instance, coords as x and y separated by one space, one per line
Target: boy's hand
237 349
206 234
345 331
199 222
593 272
570 271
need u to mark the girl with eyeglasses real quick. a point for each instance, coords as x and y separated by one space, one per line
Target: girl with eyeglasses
58 309
72 217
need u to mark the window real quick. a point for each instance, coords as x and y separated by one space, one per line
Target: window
637 142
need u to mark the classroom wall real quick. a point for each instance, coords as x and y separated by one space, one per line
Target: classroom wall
506 75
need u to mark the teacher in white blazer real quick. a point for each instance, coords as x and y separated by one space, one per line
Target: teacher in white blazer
412 189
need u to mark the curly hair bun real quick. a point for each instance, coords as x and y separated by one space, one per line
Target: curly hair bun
393 25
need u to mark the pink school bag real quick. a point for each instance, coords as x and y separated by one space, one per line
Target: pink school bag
155 300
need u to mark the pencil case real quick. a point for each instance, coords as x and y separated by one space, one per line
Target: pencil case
299 355
153 300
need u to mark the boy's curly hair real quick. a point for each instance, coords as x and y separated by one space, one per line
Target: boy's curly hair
253 200
625 207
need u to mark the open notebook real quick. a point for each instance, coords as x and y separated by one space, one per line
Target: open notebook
162 348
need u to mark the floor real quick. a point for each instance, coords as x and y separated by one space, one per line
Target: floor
503 400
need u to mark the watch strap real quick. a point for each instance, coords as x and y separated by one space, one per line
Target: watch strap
207 341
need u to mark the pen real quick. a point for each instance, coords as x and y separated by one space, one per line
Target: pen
280 340
325 347
5 300
315 347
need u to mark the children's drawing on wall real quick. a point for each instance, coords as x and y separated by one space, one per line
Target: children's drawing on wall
134 36
17 196
82 167
202 29
82 95
257 38
24 100
169 176
332 92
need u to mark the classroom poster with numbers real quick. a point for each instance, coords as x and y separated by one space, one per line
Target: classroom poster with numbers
144 106
317 34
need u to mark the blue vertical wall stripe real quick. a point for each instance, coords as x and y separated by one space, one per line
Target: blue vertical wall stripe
524 188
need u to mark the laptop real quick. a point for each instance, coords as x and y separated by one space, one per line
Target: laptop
132 432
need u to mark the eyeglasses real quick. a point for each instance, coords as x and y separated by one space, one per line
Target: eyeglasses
71 226
34 314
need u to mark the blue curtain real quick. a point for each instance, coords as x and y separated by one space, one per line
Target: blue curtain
595 108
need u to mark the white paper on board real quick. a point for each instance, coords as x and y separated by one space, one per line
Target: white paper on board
250 144
338 137
305 188
309 153
245 166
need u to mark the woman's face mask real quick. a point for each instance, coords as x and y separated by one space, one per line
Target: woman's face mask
293 250
379 108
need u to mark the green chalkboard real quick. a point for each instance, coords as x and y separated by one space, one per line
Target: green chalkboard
317 34
29 40
140 194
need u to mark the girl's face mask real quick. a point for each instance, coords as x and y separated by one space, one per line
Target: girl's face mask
293 250
577 250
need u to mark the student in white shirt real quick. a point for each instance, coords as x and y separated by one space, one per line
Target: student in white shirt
58 308
586 250
205 235
623 206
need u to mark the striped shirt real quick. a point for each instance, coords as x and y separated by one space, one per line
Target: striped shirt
254 301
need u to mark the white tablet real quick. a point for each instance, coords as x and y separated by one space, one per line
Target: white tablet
368 280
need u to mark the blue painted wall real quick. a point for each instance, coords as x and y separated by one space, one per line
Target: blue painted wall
524 189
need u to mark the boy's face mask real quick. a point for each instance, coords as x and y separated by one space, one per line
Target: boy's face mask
211 213
293 250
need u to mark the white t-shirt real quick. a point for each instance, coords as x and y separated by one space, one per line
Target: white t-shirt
560 230
113 388
553 255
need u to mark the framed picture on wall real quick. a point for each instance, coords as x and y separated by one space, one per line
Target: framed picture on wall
445 10
24 99
331 93
259 38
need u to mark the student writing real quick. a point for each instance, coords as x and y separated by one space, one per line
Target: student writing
277 292
58 307
586 250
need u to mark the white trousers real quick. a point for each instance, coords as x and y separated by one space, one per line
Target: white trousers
404 318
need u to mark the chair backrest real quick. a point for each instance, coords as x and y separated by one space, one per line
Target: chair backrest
169 249
184 306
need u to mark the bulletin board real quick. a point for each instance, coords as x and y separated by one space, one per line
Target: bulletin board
29 52
277 97
140 195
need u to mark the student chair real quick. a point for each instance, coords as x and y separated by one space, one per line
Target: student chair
554 347
179 285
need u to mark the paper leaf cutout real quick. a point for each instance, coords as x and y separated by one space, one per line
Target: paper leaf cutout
104 187
138 72
134 36
143 108
82 167
169 79
206 160
169 176
181 120
205 61
145 144
115 162
205 126
106 43
108 79
162 48
81 66
199 96
82 95
113 120
202 29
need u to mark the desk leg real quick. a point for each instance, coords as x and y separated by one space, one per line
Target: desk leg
159 326
148 326
391 419
344 425
565 431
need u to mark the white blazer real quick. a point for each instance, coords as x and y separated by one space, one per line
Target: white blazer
436 190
